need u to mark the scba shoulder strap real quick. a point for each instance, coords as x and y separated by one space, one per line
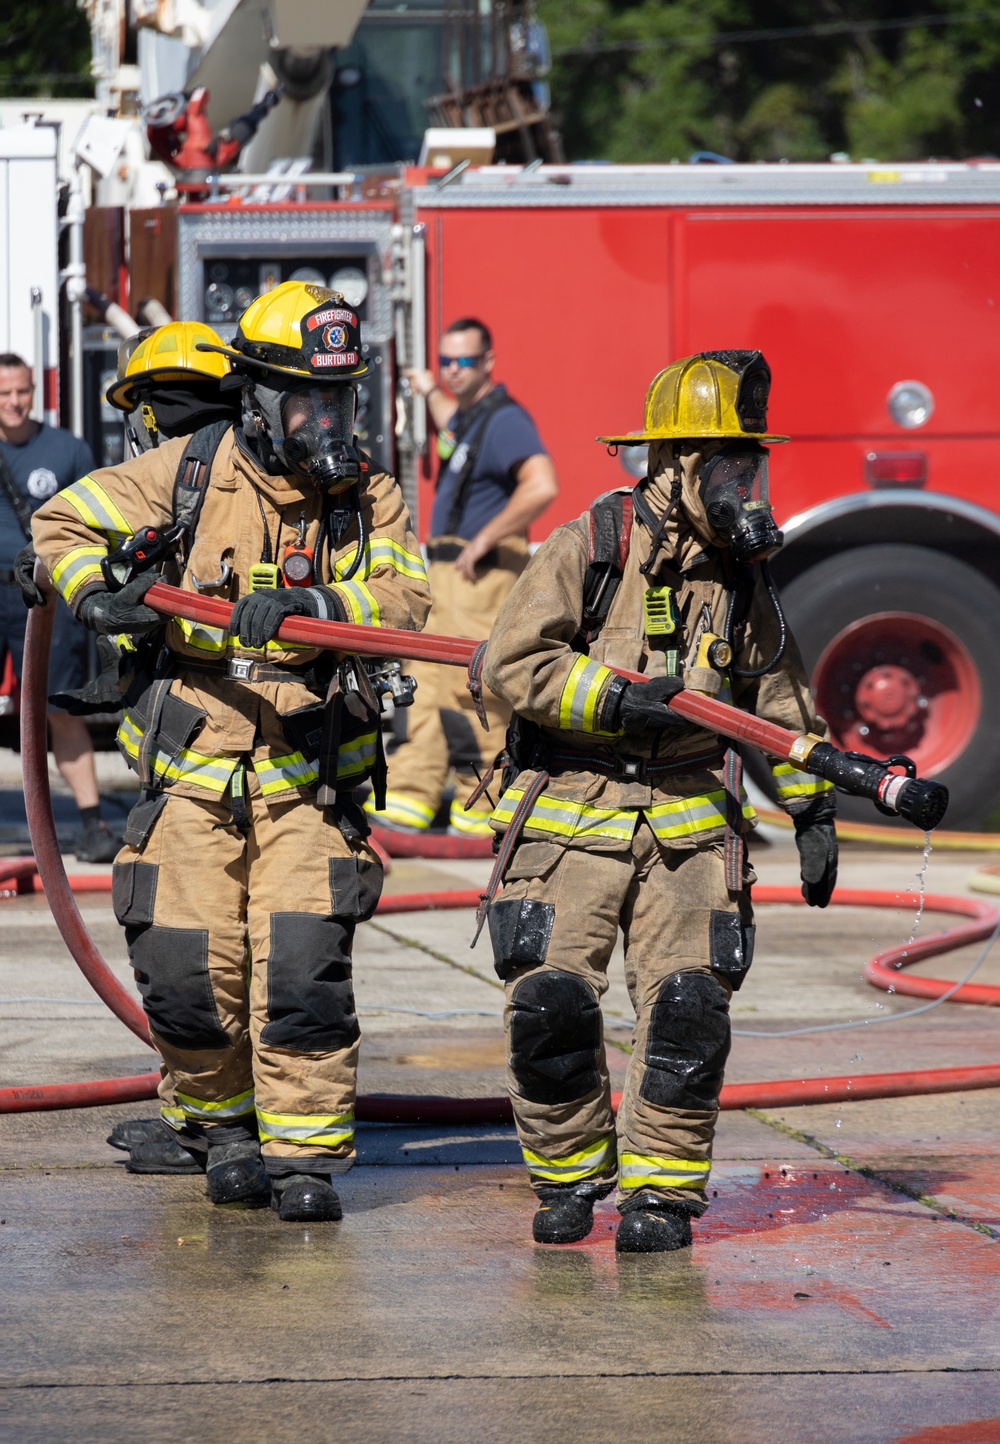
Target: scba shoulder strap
194 471
611 518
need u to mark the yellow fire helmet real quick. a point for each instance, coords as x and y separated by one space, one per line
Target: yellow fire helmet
299 330
167 353
717 394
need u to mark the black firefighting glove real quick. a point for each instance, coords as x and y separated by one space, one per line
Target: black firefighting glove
642 706
257 617
24 575
112 612
816 840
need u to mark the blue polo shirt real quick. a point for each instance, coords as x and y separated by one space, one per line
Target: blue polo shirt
508 437
41 466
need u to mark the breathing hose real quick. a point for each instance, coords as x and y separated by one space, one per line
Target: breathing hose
883 969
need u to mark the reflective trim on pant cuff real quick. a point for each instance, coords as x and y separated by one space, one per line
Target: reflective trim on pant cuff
313 1130
469 824
402 809
645 1170
197 1110
589 1162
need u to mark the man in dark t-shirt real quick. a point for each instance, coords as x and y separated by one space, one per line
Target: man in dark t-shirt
41 460
495 479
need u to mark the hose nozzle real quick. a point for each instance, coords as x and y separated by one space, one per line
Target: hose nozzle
920 802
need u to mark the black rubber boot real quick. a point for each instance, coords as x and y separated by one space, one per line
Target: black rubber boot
306 1198
236 1174
651 1226
565 1212
134 1130
161 1151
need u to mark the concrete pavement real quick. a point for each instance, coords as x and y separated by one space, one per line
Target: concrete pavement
843 1285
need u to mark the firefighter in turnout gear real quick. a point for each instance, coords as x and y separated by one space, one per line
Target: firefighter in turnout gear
617 813
245 868
167 389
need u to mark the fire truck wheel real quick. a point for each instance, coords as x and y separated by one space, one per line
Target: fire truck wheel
902 648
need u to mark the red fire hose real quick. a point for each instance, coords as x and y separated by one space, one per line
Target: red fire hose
458 652
882 970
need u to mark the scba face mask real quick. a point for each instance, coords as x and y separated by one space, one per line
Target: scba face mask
733 490
309 431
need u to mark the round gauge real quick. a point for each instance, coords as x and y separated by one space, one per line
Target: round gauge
219 272
352 283
634 459
309 275
910 404
244 296
219 299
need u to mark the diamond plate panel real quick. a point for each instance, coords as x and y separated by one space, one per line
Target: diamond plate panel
281 233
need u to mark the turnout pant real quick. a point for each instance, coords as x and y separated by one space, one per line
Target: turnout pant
443 731
241 947
688 943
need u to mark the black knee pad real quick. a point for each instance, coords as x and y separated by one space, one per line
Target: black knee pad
520 930
463 743
171 968
687 1044
310 995
555 1037
730 946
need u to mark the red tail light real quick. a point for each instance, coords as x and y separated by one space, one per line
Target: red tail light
896 468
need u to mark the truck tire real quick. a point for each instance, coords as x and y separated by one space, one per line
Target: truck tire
902 648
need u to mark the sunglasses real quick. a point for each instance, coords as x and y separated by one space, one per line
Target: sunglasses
463 361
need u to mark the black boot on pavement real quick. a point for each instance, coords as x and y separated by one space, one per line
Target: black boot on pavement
306 1198
649 1225
165 1154
130 1131
235 1172
97 843
565 1212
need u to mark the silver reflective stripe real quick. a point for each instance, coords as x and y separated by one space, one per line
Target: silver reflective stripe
325 1130
325 612
637 1170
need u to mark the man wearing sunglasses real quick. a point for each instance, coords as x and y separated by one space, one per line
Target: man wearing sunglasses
494 479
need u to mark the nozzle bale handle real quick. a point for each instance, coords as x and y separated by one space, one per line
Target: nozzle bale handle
920 802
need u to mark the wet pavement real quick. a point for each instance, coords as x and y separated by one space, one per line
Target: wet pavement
844 1285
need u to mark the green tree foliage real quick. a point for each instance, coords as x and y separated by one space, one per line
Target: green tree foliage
642 80
44 49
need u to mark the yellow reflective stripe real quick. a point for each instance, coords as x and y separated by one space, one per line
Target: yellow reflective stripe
791 782
694 814
212 773
645 1170
403 809
685 818
324 1130
384 552
205 639
358 758
278 774
207 1112
469 824
360 602
94 506
574 1166
567 819
580 692
82 564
